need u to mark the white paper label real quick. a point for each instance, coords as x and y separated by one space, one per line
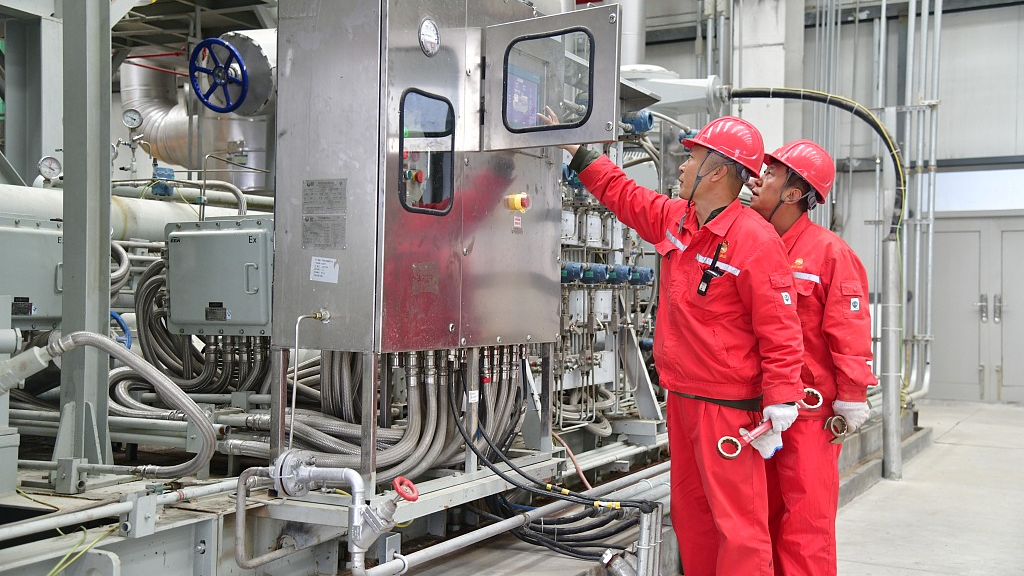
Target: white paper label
474 396
323 270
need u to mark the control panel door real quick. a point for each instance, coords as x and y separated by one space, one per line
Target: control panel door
566 62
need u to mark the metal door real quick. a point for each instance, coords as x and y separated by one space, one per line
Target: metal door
958 315
978 304
568 62
1008 313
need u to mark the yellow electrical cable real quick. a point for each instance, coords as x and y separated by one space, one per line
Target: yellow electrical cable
59 568
25 494
183 200
403 524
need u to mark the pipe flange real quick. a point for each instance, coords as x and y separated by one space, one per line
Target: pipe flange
289 474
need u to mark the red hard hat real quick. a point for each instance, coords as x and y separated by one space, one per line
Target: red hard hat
808 160
734 138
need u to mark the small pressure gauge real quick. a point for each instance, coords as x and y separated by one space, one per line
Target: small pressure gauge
430 37
132 118
49 168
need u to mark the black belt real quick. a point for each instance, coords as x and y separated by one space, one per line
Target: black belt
749 404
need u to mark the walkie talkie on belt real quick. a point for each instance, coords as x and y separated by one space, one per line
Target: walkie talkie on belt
711 273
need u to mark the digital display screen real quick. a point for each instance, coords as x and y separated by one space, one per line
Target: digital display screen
522 98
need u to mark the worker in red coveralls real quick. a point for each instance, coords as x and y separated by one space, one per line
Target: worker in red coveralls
803 479
727 340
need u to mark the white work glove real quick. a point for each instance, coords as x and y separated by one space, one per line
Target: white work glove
781 415
855 413
767 444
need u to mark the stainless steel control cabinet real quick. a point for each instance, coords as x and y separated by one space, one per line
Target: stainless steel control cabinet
365 147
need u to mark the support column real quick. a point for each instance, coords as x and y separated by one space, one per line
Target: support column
83 431
772 54
35 88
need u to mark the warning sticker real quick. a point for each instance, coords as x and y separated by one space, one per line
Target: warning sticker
323 270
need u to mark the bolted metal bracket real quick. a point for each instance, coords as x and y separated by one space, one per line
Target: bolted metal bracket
141 520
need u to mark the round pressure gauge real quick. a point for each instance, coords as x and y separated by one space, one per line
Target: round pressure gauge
430 37
49 168
132 118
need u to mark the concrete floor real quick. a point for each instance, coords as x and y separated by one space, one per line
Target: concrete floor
959 508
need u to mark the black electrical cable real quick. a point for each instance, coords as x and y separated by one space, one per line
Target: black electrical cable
645 506
857 110
560 520
560 530
529 536
563 494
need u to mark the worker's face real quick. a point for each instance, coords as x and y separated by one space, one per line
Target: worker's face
766 191
702 161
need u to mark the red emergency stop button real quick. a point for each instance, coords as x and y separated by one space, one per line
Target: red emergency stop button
518 202
419 176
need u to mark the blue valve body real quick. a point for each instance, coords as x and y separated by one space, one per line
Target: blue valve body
160 187
618 274
571 272
641 276
641 121
595 274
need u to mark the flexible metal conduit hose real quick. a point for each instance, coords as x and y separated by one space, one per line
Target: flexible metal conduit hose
857 110
399 565
174 396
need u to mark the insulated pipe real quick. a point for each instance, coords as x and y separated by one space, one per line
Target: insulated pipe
129 217
402 563
634 32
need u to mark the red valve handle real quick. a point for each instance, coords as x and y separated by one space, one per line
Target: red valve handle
406 489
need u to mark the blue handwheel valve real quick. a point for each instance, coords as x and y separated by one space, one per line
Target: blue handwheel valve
228 76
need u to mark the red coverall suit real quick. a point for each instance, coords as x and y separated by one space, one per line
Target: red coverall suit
833 309
739 341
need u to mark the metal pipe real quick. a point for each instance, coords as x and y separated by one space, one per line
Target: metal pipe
403 563
242 558
224 194
892 457
930 214
37 525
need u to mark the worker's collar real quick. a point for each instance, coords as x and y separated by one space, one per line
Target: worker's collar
719 221
793 234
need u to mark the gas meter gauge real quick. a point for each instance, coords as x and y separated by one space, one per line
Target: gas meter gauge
49 168
132 118
430 37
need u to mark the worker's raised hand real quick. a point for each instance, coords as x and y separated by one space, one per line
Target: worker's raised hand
548 116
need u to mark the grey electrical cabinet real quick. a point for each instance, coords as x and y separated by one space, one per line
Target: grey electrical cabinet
31 259
219 276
